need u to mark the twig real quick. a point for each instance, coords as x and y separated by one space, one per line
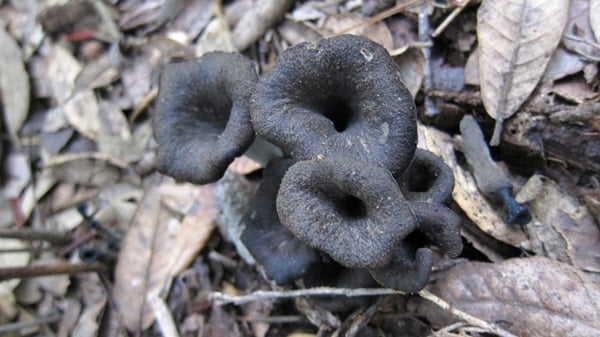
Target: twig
381 16
20 325
463 315
49 269
34 235
459 8
220 298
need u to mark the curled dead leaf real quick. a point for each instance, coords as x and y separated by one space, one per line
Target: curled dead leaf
14 83
530 297
516 41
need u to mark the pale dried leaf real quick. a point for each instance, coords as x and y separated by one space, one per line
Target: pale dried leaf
83 113
115 136
562 64
579 37
18 173
465 193
198 205
562 228
243 165
14 84
516 41
216 37
472 68
155 248
98 73
412 65
94 297
531 297
355 24
61 71
138 271
14 259
595 18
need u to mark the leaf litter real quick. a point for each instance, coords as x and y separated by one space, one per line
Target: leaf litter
77 100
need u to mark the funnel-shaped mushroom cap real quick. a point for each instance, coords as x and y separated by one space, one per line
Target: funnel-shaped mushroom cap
427 178
407 271
341 96
202 121
351 210
440 225
281 255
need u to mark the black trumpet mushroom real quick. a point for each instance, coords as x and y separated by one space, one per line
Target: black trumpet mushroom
355 189
427 178
282 257
341 96
202 120
349 209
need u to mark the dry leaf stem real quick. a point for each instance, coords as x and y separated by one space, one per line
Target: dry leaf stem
17 326
49 269
33 235
221 299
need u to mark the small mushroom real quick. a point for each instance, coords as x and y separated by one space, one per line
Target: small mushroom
410 267
349 209
331 274
202 121
427 178
408 271
341 96
282 257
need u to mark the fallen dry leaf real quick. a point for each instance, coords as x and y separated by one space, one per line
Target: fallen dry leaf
530 297
83 113
562 228
579 36
562 64
595 18
15 259
355 24
157 246
516 41
412 65
14 83
465 192
94 298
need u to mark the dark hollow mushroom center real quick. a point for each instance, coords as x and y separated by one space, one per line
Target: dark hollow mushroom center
338 111
350 207
422 178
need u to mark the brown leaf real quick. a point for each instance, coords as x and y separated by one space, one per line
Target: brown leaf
465 193
595 18
14 83
562 228
355 24
83 113
516 41
156 247
531 297
412 65
138 271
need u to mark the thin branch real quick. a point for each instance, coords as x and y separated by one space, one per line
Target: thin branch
220 298
10 327
463 315
34 235
48 269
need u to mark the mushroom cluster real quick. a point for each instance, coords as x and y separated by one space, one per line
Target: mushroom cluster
352 188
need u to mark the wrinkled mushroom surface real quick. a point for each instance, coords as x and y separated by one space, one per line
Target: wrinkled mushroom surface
427 178
281 255
341 96
351 210
202 120
407 271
